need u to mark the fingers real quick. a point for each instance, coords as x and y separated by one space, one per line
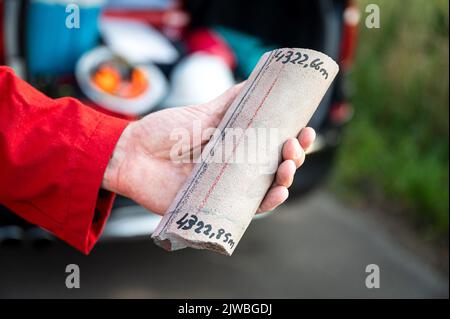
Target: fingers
285 173
307 137
278 193
293 157
293 151
274 197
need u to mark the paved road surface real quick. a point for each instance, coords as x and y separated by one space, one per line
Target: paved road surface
314 248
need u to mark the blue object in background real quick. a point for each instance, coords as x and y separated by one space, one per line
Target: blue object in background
51 47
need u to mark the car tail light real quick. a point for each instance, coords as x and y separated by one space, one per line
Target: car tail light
341 113
350 34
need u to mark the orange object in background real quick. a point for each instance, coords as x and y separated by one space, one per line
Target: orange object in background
136 86
108 79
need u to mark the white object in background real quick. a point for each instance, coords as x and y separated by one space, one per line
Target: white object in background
197 79
137 42
143 103
130 222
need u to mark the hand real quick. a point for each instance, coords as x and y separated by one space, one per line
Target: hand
141 167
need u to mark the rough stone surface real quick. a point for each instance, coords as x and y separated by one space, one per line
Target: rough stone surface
282 93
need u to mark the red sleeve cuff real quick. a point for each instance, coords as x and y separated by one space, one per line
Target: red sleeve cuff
53 154
89 205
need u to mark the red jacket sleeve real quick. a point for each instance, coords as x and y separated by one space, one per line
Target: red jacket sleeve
53 154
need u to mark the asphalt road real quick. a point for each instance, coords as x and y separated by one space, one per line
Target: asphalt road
313 248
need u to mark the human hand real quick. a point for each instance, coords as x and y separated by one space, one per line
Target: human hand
141 167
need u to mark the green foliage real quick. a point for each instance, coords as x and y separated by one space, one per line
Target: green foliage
396 147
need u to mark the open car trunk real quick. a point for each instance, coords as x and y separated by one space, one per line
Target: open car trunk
284 23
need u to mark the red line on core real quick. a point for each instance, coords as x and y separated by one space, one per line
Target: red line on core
222 170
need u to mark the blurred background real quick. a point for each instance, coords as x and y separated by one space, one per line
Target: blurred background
374 188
